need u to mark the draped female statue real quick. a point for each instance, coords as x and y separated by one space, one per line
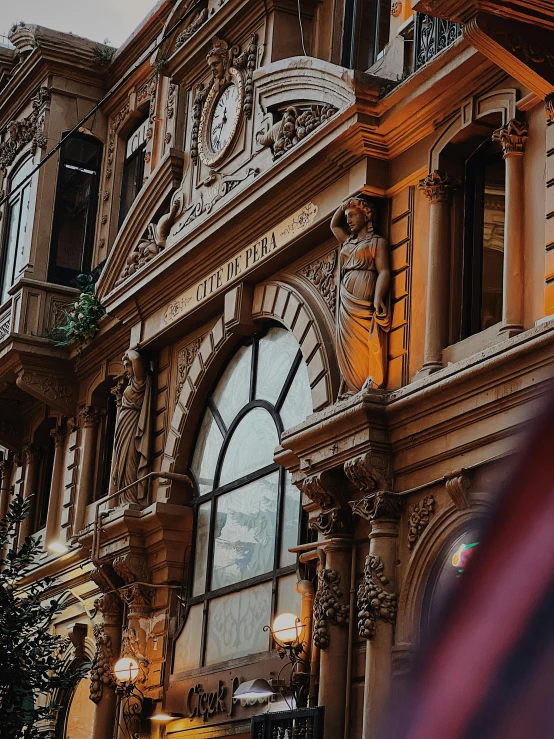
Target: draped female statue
363 319
133 430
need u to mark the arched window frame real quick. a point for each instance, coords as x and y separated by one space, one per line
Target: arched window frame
65 275
278 572
17 203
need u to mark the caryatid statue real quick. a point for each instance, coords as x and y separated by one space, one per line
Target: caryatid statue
363 319
133 430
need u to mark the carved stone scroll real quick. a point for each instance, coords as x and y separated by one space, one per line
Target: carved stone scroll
185 358
378 506
457 486
327 607
420 516
370 472
374 602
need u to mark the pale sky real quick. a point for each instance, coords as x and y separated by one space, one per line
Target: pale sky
95 19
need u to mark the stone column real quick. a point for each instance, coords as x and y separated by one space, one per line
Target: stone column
377 604
438 187
512 137
331 617
53 519
89 446
31 458
102 681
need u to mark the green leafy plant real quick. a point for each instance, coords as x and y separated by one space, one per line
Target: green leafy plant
81 322
31 656
103 55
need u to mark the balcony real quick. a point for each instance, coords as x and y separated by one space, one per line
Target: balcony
302 723
431 36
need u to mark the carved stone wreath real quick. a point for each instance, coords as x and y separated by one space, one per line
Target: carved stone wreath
374 602
327 607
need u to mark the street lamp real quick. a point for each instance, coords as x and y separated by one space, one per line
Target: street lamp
287 632
133 703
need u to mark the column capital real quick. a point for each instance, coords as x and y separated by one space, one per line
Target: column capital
91 415
512 137
58 434
438 186
110 606
31 453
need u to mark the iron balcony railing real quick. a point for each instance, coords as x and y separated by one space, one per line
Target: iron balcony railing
431 36
301 723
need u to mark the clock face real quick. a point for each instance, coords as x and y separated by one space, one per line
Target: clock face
224 117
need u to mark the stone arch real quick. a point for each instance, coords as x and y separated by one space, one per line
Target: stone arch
273 300
442 528
471 113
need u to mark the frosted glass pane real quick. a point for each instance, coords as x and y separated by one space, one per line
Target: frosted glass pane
201 554
276 353
290 522
298 403
235 624
187 646
251 446
206 453
288 600
233 390
246 521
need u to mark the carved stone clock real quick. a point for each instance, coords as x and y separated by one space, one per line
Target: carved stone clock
218 114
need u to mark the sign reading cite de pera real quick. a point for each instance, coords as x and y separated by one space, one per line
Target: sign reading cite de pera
242 262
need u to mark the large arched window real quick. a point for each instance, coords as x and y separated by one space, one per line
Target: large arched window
247 510
17 228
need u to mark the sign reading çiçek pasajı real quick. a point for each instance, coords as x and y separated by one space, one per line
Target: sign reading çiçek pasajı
241 263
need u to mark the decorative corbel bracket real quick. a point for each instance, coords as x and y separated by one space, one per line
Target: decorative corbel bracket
371 472
51 387
324 489
458 485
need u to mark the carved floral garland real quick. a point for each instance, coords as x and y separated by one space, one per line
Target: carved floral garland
101 670
28 130
374 602
327 608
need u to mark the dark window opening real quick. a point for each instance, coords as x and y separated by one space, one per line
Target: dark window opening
105 448
46 449
366 32
133 169
17 225
75 211
483 271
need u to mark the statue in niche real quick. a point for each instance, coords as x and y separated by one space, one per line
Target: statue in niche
133 430
363 319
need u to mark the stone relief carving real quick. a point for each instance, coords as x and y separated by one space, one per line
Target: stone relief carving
549 107
420 515
333 522
154 242
216 186
327 607
298 121
5 323
131 647
374 602
185 358
28 130
101 670
364 315
321 274
133 430
131 568
335 517
194 24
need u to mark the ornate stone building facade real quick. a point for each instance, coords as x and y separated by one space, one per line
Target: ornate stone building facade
322 238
